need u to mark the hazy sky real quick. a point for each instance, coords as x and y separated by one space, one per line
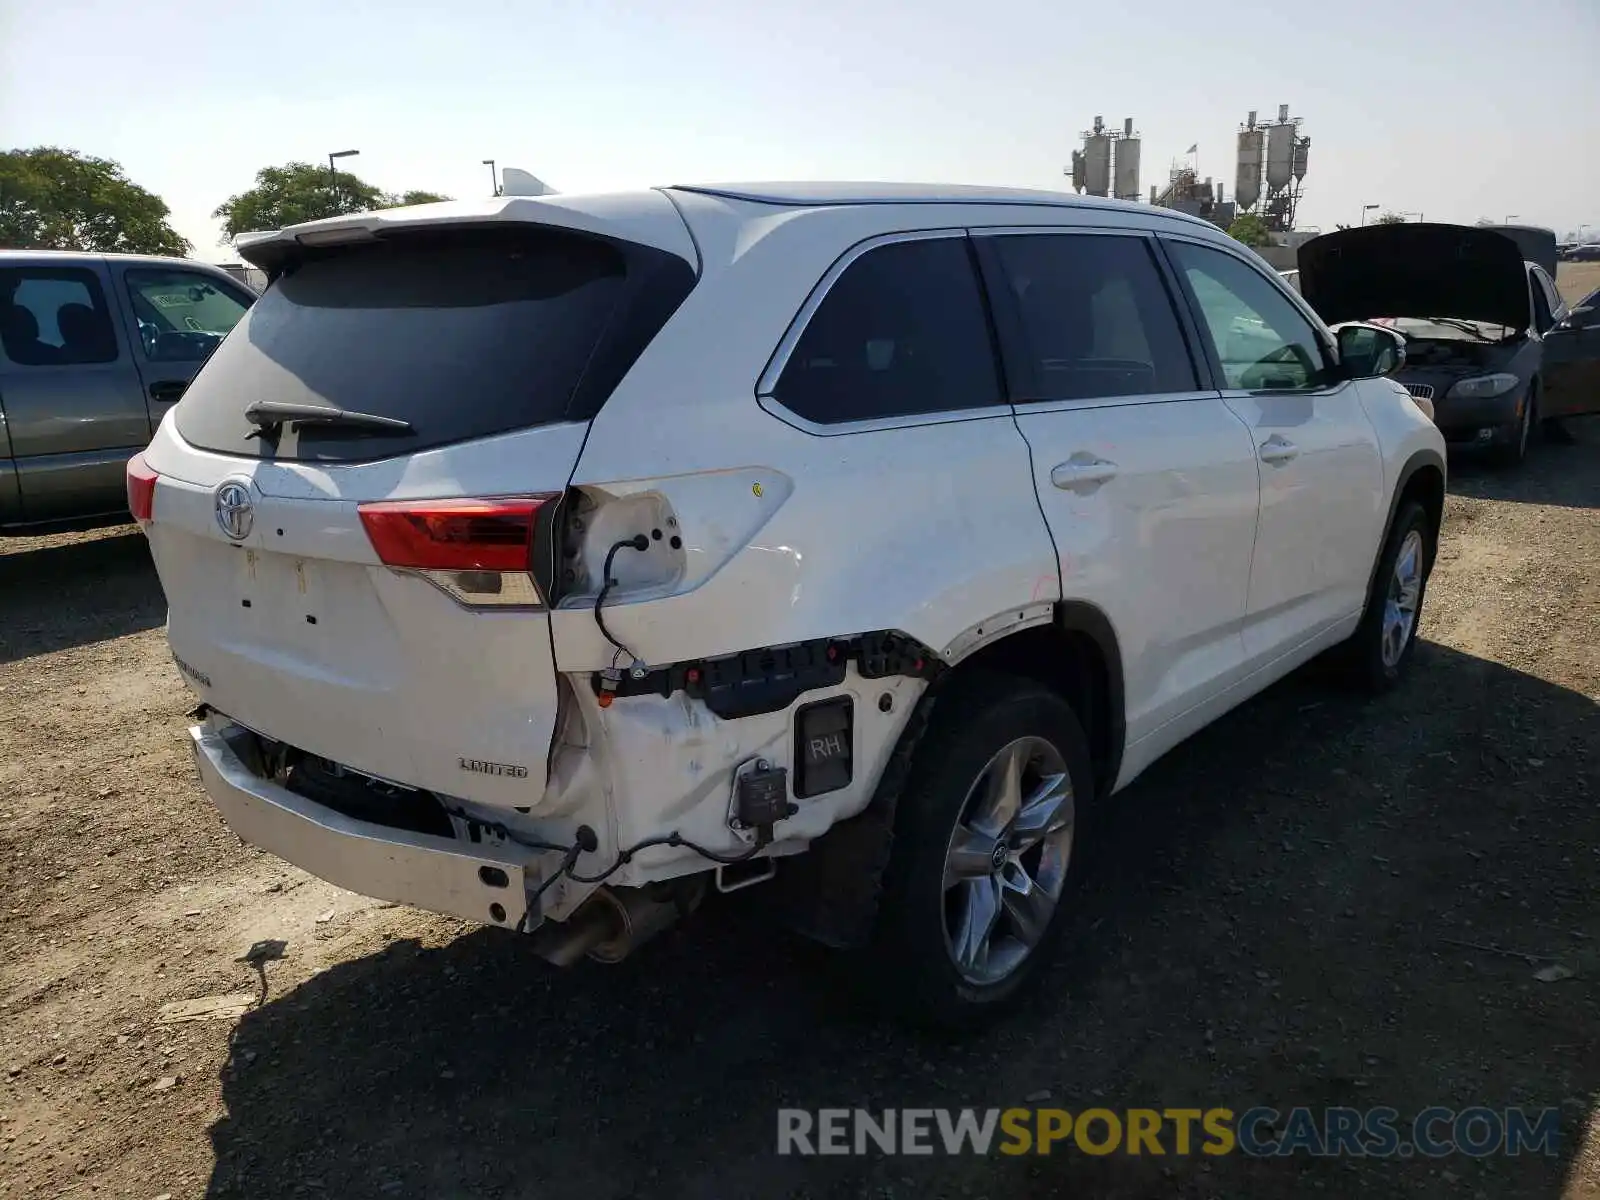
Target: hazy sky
1457 108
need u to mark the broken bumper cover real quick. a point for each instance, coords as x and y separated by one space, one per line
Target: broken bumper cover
461 879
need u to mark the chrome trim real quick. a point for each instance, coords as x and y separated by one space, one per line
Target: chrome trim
819 293
1420 391
434 873
1075 230
838 428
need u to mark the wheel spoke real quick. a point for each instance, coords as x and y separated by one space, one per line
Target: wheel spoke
1048 809
1028 905
971 856
980 910
1002 797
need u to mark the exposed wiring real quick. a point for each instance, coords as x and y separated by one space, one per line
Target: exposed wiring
763 840
586 842
637 542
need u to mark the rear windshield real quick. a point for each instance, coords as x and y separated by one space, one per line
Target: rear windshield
461 335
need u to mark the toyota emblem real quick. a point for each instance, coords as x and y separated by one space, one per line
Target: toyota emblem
236 512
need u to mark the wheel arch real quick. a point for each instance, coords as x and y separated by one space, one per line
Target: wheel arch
831 893
1421 479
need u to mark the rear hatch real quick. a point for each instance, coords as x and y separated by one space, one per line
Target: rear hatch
353 570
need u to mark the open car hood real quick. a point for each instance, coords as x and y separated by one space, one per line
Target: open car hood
1420 270
1538 245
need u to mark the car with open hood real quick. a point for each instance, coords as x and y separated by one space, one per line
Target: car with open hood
1488 338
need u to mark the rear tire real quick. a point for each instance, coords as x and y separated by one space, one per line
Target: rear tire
988 848
1378 651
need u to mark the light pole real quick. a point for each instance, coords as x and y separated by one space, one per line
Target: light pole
333 173
494 180
1365 209
1417 215
1510 217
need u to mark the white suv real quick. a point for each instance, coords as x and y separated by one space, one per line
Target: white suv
546 561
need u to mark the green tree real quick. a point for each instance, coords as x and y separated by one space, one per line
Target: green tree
295 192
56 199
300 191
1251 230
415 196
1390 218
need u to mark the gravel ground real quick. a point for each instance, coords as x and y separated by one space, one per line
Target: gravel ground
1317 901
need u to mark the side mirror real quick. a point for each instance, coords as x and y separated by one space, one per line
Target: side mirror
1368 351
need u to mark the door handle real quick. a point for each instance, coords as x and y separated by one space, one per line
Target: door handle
165 391
1082 473
1276 451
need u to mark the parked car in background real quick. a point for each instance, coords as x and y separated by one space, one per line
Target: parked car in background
1588 252
94 349
1488 338
551 561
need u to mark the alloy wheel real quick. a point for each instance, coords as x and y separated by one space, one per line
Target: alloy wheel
1006 863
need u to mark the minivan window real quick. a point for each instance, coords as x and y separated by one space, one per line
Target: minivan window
182 315
54 316
1096 317
901 332
1263 342
461 334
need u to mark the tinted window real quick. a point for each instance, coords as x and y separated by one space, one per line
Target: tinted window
54 316
1551 310
462 335
1096 317
1262 340
902 331
182 315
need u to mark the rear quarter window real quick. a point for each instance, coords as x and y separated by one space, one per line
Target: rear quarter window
901 332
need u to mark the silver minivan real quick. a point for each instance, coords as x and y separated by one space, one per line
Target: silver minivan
94 349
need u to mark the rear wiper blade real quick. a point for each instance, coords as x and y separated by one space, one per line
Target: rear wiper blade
271 416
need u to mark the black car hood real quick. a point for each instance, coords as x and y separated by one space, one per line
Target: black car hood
1538 245
1416 270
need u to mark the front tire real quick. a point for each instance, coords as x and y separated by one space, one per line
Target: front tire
1382 644
1515 451
988 848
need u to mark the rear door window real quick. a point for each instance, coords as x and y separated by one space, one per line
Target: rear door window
463 335
1095 316
902 332
54 316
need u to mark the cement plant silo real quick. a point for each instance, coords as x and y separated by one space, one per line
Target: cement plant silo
1097 160
1280 155
1247 183
1302 151
1125 171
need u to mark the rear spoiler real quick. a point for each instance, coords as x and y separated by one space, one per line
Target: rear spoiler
645 218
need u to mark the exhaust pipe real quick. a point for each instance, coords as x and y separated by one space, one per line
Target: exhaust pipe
613 923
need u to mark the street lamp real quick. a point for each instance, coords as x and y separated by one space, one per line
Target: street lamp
333 174
1417 215
1365 209
1510 217
494 180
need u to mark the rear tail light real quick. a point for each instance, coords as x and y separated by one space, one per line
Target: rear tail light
141 489
480 552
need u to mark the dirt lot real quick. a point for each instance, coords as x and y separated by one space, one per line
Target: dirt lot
1317 901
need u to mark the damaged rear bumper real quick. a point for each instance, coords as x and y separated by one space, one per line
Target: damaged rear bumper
477 882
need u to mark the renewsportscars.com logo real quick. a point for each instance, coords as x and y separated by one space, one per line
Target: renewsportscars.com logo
1260 1132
